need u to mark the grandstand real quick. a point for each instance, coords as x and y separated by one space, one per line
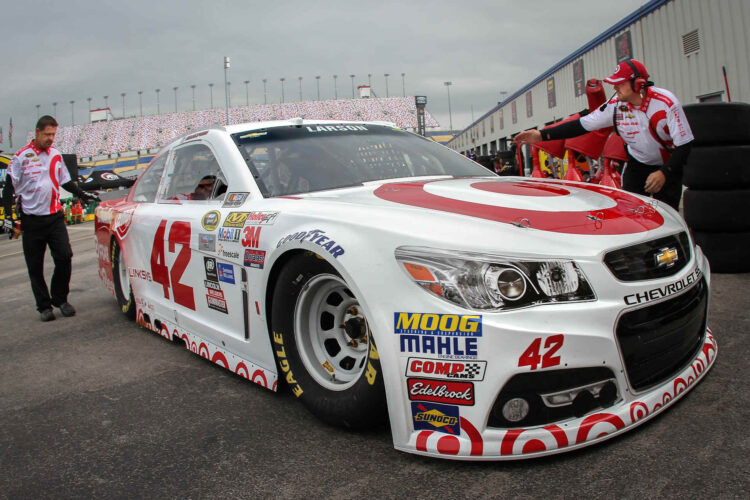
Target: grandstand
115 138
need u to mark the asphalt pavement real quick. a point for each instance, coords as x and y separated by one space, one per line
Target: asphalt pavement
94 406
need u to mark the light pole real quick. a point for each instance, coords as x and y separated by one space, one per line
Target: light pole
247 93
317 82
211 88
369 80
72 113
54 109
450 115
192 87
37 111
106 101
386 84
282 89
265 94
158 108
229 93
502 96
226 87
140 102
300 88
335 87
175 99
352 77
123 104
89 100
403 84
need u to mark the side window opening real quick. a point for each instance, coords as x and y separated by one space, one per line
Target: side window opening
196 175
148 185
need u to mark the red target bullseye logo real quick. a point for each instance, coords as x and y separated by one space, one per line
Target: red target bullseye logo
620 212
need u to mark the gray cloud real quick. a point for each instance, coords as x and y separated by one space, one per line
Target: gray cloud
62 51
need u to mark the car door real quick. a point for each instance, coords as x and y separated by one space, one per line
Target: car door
195 256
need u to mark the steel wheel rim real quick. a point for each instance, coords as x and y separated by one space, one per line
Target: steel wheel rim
124 279
318 319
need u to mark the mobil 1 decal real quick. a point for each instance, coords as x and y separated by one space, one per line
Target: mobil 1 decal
449 336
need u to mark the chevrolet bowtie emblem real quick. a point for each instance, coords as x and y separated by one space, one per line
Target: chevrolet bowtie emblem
666 257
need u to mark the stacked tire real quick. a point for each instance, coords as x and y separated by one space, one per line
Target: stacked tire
716 204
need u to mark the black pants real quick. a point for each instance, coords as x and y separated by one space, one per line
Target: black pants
38 232
634 180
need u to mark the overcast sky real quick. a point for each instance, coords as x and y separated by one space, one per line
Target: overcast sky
58 51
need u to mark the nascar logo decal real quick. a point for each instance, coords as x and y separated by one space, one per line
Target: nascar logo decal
619 212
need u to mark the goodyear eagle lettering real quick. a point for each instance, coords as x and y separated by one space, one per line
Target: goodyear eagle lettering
284 365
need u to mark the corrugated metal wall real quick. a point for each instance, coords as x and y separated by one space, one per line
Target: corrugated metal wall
723 35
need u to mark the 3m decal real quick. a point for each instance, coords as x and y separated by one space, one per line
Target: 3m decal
207 242
210 220
261 218
445 347
315 236
235 219
436 417
462 370
254 258
251 236
439 391
225 272
233 200
209 264
179 234
532 358
457 325
664 291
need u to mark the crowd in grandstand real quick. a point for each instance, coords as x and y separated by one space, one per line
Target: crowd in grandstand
148 132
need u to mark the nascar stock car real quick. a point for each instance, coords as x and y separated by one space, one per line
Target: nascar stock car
377 275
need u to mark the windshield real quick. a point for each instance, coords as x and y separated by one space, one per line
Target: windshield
301 159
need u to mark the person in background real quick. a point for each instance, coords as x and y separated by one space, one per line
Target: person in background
35 175
653 125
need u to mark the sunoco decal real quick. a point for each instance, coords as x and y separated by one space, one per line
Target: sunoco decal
454 370
663 291
440 391
436 417
454 325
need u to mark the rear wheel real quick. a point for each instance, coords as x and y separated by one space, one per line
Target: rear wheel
123 291
324 347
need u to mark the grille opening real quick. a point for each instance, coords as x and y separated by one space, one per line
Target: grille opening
639 262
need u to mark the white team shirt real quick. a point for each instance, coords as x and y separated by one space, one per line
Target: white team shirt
37 176
660 109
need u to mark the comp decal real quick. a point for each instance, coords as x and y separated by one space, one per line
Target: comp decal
436 417
620 212
453 370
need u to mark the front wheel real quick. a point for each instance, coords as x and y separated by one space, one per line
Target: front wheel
123 291
324 347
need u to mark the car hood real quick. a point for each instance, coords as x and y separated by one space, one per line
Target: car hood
546 212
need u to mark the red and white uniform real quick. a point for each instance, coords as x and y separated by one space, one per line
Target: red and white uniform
660 113
37 176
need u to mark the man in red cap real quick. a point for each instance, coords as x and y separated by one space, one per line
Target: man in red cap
653 125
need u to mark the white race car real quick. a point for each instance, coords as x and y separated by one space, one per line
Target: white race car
380 275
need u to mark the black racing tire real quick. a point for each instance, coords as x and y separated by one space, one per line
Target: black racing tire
717 211
718 167
726 252
123 290
716 123
339 383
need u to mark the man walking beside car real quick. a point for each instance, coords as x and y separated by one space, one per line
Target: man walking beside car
35 175
653 125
